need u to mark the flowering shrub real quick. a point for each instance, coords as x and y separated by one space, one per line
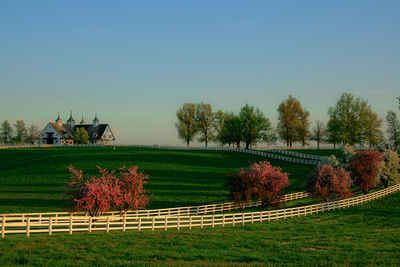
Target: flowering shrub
365 168
261 181
328 182
390 170
122 190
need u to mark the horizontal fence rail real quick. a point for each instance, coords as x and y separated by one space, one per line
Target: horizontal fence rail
178 211
130 222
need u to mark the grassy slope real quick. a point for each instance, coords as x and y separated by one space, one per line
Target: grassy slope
362 235
33 180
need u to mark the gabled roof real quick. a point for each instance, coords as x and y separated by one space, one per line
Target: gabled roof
94 132
59 128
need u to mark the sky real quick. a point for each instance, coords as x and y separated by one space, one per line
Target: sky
135 62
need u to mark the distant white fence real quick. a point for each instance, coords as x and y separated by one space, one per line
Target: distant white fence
284 155
132 222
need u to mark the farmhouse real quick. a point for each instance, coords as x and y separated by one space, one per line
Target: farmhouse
58 133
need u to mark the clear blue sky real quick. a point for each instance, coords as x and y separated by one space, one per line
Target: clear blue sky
135 62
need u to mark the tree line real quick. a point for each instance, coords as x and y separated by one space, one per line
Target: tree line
351 121
19 134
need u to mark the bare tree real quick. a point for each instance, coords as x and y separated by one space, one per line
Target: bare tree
319 132
33 134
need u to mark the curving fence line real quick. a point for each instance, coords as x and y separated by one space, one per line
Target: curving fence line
125 222
178 211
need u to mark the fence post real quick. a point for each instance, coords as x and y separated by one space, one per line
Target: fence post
108 224
165 223
140 224
3 226
153 223
28 226
202 220
70 224
90 224
124 223
223 220
242 218
50 225
190 222
213 220
178 223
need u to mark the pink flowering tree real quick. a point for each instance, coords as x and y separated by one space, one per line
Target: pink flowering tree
365 168
110 190
328 182
261 181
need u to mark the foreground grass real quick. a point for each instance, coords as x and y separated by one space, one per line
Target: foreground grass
32 180
364 235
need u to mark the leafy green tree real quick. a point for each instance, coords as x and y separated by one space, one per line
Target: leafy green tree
393 129
255 126
6 132
187 125
33 134
21 132
205 122
371 124
352 121
293 122
219 126
333 128
81 136
232 131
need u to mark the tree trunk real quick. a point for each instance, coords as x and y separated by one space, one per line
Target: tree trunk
318 144
187 143
247 145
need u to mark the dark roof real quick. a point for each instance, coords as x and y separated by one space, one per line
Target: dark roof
94 132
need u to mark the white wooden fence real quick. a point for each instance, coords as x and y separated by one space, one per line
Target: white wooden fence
125 222
178 211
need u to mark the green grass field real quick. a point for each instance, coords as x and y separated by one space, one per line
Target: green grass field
32 180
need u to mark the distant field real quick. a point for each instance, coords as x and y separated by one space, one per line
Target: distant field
32 180
358 236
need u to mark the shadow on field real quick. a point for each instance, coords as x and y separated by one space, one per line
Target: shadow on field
34 202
